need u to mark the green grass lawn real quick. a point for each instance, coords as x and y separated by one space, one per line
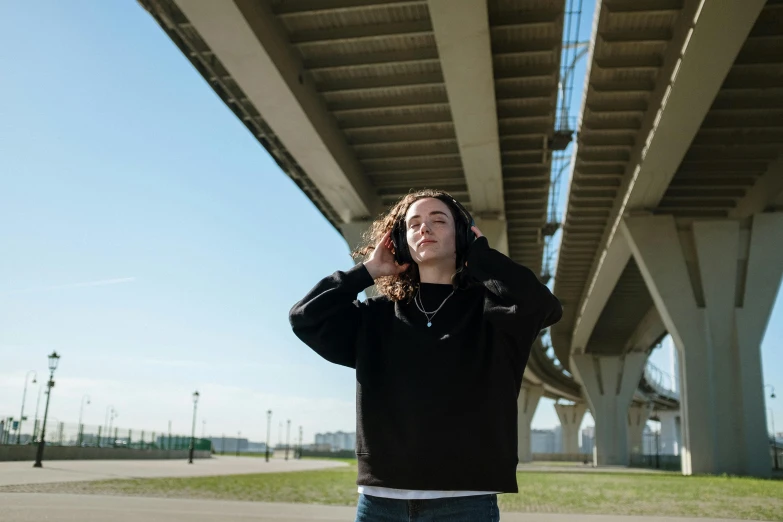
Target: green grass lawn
539 492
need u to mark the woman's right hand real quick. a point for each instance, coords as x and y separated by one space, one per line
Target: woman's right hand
380 262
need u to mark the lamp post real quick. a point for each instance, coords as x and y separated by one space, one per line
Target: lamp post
81 412
109 411
239 434
268 428
37 406
193 430
113 416
24 396
772 418
287 437
53 360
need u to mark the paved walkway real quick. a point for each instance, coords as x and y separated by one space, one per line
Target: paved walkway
24 507
18 473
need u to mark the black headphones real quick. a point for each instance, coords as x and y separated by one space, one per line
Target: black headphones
464 236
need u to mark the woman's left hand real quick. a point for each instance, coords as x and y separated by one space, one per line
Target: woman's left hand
478 233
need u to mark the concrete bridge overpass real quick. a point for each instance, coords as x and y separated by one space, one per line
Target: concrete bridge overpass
360 100
674 216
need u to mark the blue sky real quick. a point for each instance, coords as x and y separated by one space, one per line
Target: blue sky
149 238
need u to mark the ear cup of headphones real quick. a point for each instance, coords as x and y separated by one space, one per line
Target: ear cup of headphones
402 253
468 222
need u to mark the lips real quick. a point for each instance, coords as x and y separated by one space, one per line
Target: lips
426 242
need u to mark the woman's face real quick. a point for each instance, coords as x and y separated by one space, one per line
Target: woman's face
430 231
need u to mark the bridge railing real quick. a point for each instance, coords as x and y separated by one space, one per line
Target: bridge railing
660 381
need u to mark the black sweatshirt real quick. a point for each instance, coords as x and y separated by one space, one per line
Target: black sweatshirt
436 407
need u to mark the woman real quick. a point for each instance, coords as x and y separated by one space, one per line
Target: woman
439 357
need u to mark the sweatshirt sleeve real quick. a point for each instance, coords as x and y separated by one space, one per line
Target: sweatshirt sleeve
329 317
509 280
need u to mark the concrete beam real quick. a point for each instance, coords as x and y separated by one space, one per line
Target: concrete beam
701 52
248 40
763 194
462 36
649 331
616 257
715 285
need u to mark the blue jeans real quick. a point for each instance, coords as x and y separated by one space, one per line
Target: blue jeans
479 508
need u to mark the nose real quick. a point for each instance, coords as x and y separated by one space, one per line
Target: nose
424 226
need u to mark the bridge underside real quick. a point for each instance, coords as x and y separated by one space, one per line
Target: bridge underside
360 101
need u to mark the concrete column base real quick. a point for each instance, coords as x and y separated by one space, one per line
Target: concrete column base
571 416
526 408
609 384
714 284
670 432
637 420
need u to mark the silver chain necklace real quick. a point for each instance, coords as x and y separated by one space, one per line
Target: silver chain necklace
420 306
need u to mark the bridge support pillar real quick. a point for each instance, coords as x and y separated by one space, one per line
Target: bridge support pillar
496 232
714 284
637 420
670 432
526 408
353 232
609 384
571 416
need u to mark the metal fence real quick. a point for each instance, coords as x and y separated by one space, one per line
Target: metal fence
90 436
659 453
656 452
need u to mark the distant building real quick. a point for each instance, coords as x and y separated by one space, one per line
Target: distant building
229 445
542 441
558 439
588 438
335 441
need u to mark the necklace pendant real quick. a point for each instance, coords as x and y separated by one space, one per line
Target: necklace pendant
429 324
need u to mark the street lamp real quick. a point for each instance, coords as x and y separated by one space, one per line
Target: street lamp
114 415
81 412
193 430
772 418
24 396
287 437
268 428
53 360
109 411
37 407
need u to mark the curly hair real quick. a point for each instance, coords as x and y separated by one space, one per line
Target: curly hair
403 286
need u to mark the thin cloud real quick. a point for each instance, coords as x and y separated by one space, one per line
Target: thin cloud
100 282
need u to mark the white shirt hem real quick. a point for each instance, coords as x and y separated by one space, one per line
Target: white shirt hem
413 494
